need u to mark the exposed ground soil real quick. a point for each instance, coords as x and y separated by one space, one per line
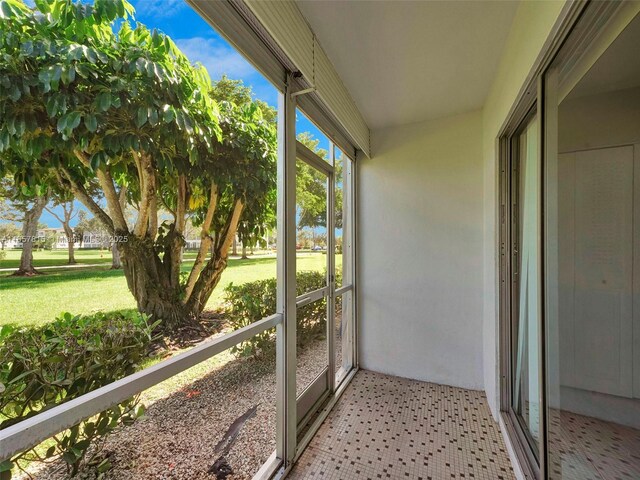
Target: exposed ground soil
177 437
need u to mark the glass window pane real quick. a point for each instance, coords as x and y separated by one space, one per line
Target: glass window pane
312 348
592 272
136 248
311 221
311 266
340 214
343 331
525 386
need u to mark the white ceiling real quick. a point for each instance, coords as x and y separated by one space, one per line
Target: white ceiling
410 61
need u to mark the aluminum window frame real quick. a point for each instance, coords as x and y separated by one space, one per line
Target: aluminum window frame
509 283
592 18
32 431
233 21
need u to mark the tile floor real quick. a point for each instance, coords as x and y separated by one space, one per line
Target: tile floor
390 427
586 448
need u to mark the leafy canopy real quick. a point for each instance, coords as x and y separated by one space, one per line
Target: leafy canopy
88 97
76 77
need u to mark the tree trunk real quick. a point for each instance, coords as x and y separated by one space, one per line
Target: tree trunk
211 274
72 257
68 231
244 251
150 284
116 263
235 247
29 231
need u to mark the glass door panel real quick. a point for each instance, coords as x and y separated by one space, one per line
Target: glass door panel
313 196
592 258
343 331
343 255
526 281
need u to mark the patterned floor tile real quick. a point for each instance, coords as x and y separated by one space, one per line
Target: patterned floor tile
391 427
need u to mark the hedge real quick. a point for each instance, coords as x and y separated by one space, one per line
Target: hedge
252 301
41 367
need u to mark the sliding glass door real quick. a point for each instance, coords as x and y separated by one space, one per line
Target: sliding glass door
521 199
525 333
592 242
570 255
314 178
324 274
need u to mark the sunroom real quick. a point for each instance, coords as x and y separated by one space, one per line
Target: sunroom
478 311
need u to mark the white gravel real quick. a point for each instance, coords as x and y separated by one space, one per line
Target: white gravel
177 437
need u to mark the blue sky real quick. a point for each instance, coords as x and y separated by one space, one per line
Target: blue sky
201 43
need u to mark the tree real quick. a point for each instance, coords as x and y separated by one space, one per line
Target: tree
256 223
69 212
27 204
88 97
8 231
79 231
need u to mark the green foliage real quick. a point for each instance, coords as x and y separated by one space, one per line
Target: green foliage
44 366
253 301
68 80
46 241
8 231
247 303
311 188
90 99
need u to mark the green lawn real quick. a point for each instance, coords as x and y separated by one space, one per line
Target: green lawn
50 258
47 258
37 300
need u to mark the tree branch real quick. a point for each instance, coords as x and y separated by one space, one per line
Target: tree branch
205 243
232 228
109 189
211 273
81 194
148 192
54 214
153 217
180 214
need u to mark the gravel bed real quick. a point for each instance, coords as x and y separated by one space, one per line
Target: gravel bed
177 437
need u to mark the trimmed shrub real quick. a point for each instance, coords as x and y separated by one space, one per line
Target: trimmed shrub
246 304
44 366
253 301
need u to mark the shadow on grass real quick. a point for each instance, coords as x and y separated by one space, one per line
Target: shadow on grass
251 261
9 282
235 262
53 262
80 273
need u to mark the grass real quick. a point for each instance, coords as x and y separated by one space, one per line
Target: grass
54 258
37 300
48 258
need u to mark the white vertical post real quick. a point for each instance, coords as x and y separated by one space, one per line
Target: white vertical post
286 266
331 272
351 179
348 265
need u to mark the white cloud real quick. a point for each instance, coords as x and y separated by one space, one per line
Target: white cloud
217 57
160 8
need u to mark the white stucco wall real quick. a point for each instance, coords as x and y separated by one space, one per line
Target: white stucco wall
531 27
420 239
428 234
